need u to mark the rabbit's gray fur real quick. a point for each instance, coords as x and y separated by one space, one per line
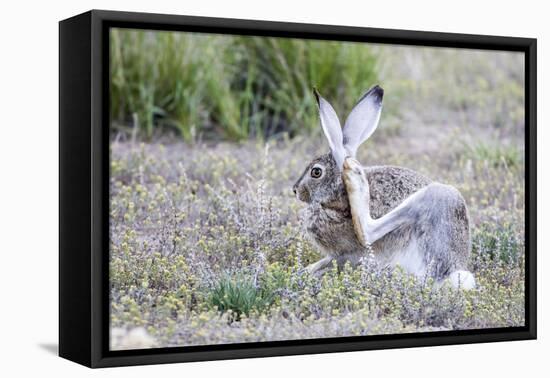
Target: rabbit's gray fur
428 234
439 222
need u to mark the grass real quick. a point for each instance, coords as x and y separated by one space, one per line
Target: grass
495 154
171 80
498 242
240 296
210 249
233 87
206 239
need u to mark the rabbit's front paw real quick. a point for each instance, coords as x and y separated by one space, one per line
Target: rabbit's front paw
317 269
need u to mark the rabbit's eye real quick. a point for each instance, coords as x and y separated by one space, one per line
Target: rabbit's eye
316 172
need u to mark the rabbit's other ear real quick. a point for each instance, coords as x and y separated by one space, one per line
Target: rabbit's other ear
363 119
332 129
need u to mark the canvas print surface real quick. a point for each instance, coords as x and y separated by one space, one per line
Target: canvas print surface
266 189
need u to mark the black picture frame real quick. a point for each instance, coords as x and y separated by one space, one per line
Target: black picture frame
84 189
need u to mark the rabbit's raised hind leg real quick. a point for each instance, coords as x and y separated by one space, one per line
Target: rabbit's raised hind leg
419 205
367 229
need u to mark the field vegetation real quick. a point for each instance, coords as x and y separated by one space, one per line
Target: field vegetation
210 132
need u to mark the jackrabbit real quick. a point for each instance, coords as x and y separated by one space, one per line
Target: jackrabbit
403 217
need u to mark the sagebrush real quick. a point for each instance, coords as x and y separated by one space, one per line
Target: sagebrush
206 241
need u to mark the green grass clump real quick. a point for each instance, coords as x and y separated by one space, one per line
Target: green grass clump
288 69
495 154
172 80
240 295
230 87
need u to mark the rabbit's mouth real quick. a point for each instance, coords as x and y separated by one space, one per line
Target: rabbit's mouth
303 195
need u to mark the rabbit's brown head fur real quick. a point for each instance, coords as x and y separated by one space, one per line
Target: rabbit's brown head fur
322 183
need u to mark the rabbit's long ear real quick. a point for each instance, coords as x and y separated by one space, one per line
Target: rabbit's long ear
332 129
363 119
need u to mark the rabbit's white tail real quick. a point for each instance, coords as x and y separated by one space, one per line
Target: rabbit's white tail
462 279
